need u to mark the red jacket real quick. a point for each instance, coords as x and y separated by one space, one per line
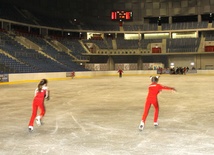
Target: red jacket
154 90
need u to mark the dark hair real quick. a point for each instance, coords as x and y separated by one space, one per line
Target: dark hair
154 78
40 87
41 83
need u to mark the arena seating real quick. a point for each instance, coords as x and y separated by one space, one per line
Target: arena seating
183 45
127 44
74 45
184 25
14 66
17 58
37 61
100 43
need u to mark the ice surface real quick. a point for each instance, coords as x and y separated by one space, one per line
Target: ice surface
100 116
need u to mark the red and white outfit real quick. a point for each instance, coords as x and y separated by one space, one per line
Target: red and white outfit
38 102
154 90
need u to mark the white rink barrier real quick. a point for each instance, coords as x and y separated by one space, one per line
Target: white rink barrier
87 74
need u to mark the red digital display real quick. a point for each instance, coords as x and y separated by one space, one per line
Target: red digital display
122 15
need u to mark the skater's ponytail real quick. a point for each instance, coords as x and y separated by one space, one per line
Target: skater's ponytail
41 83
40 87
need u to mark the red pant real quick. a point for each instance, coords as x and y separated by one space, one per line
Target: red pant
37 103
147 107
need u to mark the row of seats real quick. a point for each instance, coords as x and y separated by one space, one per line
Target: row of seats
64 62
172 45
33 59
74 45
167 26
123 44
183 45
14 66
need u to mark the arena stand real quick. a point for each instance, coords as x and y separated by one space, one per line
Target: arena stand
35 43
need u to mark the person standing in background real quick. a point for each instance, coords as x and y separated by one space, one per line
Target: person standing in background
120 71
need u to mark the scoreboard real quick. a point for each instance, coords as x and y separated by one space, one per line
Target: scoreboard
122 15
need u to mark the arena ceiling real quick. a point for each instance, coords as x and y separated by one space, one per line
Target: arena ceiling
101 8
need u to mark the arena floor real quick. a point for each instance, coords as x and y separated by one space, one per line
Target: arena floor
100 116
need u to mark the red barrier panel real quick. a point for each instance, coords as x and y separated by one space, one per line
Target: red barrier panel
209 48
156 50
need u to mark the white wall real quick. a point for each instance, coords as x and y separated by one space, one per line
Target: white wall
35 76
61 75
86 74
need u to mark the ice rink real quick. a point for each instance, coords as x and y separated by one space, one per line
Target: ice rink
100 116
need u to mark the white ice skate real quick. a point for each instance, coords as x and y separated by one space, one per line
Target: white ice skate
155 124
38 121
141 126
30 128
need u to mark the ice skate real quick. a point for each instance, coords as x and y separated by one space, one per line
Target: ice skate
155 124
38 121
30 128
141 126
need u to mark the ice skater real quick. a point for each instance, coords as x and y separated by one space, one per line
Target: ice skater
41 93
120 71
152 99
72 74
